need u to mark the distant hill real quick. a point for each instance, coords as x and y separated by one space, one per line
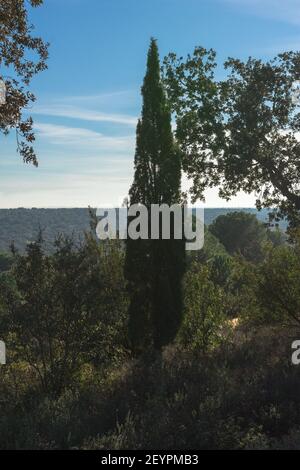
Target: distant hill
22 225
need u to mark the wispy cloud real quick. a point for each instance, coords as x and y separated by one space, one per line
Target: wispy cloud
77 136
85 146
72 112
283 10
120 98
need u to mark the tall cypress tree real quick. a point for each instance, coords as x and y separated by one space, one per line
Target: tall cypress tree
154 268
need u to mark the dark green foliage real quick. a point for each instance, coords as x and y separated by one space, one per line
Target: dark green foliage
138 276
276 236
217 387
22 225
6 261
221 268
212 248
204 310
157 160
239 134
212 403
240 287
22 56
64 310
240 232
154 268
278 287
167 304
243 395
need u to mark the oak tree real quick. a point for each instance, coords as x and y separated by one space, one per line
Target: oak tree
22 55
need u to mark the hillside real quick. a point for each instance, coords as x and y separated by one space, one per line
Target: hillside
22 225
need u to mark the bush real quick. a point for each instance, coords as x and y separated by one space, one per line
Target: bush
65 310
204 312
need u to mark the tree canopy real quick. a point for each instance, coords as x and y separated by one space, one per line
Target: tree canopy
154 268
240 232
241 133
22 55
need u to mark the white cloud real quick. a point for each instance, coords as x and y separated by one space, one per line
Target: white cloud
72 112
77 136
283 10
119 98
67 190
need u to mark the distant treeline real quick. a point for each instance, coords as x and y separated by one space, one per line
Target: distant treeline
21 226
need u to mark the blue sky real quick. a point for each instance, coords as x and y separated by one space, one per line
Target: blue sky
89 98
